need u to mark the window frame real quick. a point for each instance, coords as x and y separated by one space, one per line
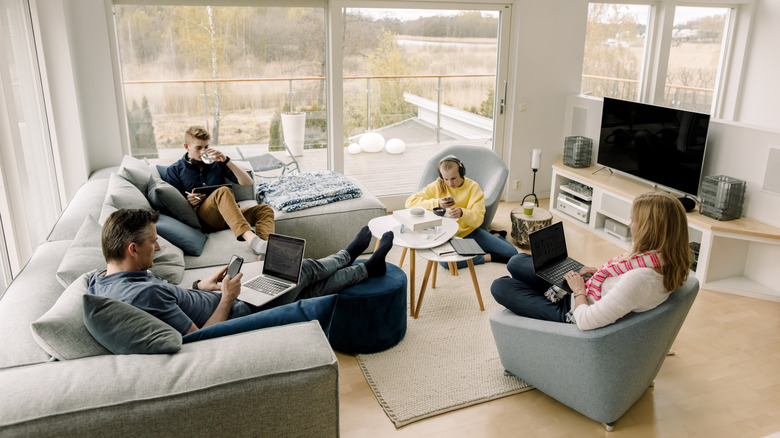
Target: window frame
655 64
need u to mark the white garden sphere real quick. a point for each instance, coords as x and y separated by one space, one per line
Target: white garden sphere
395 146
354 148
372 142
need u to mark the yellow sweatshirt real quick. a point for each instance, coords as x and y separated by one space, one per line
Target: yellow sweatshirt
469 197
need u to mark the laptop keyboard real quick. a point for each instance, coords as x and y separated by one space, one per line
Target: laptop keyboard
559 270
267 286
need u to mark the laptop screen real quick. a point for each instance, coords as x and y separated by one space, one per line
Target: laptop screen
548 245
283 257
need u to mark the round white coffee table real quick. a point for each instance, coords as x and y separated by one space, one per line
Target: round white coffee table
413 241
433 264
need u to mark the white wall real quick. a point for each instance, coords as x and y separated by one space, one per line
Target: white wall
760 101
549 38
80 80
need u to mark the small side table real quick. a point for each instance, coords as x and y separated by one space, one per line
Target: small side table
433 263
523 224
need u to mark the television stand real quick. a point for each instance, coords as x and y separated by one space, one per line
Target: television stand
737 256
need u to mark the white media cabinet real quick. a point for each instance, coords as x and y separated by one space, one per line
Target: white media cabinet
738 256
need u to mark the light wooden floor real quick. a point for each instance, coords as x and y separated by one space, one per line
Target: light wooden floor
724 380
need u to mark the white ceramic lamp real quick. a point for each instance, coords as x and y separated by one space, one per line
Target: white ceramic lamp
372 142
395 146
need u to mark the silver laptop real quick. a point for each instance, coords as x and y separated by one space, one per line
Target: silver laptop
550 257
281 270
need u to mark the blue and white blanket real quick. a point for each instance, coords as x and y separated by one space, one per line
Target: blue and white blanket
297 191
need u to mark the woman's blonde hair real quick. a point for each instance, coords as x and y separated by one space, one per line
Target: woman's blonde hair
661 225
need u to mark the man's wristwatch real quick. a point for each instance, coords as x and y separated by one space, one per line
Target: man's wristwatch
195 284
227 159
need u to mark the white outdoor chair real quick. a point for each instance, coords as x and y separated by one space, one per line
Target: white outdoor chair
262 164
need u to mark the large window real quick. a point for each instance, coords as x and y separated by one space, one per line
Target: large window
615 43
233 70
422 79
682 68
695 57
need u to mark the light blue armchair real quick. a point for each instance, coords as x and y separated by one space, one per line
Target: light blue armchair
599 373
482 165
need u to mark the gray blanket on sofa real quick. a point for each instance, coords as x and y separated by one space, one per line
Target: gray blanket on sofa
298 191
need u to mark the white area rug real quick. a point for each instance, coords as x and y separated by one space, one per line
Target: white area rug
448 359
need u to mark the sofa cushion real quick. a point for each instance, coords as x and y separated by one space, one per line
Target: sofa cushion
61 331
85 254
31 294
121 194
167 199
189 239
220 245
125 329
87 200
136 172
320 309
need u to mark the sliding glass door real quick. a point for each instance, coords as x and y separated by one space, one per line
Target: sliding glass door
416 81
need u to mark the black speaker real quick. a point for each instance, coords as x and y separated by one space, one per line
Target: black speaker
687 203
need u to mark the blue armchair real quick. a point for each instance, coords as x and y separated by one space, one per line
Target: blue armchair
599 373
482 165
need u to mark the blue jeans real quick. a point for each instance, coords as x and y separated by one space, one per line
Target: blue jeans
523 292
490 243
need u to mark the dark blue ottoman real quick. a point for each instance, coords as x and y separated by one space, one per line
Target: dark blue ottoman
371 316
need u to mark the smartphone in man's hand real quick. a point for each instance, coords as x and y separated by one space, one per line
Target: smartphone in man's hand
234 267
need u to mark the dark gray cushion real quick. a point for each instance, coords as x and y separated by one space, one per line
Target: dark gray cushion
125 329
166 199
188 239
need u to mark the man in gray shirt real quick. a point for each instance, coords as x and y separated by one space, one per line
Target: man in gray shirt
129 241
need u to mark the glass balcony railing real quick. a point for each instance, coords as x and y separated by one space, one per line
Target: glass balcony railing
427 112
675 96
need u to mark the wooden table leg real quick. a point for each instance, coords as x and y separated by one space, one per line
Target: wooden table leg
411 282
476 285
422 288
453 268
403 255
435 271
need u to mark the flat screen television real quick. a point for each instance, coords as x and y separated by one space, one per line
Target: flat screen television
662 145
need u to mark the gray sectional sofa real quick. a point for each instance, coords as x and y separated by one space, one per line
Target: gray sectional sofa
281 381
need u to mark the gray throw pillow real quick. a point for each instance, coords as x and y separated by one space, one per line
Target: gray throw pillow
85 254
125 329
136 172
167 199
61 331
122 194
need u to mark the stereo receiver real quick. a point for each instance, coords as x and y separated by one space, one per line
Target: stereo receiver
579 210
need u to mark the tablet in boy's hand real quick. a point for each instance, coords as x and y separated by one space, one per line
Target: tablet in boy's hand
207 190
